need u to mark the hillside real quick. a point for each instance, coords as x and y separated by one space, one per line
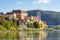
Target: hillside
51 17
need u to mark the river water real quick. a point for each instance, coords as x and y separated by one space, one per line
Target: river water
30 35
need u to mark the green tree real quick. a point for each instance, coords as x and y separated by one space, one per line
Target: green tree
2 27
36 25
12 28
44 22
30 25
9 24
2 18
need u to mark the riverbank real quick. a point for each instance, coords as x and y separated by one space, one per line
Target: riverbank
27 29
36 29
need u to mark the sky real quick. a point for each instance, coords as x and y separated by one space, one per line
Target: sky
9 5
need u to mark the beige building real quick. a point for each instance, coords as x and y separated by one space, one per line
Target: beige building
17 14
11 15
24 14
20 14
2 14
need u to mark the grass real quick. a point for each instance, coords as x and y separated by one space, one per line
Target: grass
32 29
38 29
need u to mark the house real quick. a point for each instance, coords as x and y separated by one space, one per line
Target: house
2 14
20 14
11 15
17 14
34 18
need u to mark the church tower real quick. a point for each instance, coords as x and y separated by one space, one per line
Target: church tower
39 14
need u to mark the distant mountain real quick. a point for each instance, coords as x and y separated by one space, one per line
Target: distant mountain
51 17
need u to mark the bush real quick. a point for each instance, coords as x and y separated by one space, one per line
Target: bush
36 25
12 28
30 25
2 28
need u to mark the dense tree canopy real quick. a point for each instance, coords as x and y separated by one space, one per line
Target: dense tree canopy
36 25
8 24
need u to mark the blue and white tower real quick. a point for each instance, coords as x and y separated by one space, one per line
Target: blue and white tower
39 14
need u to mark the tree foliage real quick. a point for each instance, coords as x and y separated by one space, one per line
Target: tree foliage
36 25
30 25
8 24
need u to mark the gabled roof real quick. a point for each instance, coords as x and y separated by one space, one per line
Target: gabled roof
17 11
8 13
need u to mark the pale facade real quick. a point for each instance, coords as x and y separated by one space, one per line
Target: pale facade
24 14
19 14
11 15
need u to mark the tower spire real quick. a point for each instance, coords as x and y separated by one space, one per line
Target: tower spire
38 14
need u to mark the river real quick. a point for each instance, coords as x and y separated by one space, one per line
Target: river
30 35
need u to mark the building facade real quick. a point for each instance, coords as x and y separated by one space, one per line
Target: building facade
20 14
17 14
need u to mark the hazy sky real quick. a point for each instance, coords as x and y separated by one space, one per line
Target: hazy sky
9 5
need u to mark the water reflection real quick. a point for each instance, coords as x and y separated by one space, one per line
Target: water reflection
8 35
54 35
30 35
